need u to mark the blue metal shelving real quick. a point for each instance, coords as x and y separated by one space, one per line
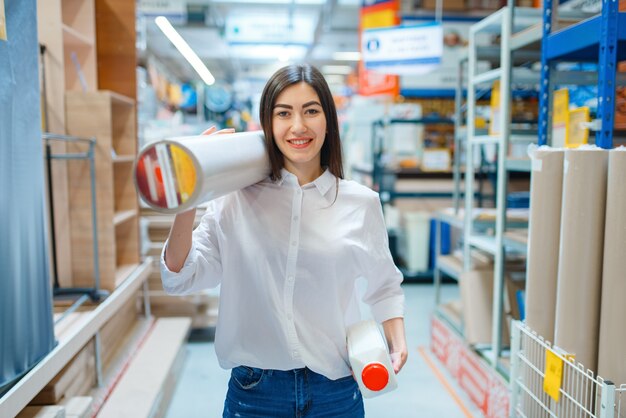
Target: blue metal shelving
599 39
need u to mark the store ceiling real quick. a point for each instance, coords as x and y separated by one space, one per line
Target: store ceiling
248 40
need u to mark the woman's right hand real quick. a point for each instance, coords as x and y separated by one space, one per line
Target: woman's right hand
213 131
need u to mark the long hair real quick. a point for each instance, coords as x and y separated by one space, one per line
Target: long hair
283 78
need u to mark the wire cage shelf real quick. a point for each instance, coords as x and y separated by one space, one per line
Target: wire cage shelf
581 393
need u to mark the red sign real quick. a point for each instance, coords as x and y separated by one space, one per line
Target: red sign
380 15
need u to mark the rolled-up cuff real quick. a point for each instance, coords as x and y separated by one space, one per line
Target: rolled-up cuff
173 282
392 307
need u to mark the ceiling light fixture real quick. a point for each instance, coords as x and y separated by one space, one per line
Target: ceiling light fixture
347 56
337 69
184 48
284 55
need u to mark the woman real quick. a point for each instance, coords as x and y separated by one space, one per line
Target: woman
287 252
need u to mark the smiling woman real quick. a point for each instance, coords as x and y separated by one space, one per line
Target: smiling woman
287 252
300 123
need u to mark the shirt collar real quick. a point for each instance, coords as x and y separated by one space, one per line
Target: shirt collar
323 183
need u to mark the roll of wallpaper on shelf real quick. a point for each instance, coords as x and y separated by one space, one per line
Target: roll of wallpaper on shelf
580 257
177 174
546 186
612 347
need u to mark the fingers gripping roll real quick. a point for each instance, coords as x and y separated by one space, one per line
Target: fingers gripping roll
174 175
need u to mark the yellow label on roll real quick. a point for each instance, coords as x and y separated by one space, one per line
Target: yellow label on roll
578 131
553 376
185 172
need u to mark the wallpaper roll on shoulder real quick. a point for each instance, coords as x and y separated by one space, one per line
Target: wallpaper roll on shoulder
546 186
580 258
612 348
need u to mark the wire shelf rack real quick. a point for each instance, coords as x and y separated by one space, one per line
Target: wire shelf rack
581 394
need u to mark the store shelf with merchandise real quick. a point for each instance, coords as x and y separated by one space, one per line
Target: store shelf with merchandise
601 39
525 40
488 247
88 101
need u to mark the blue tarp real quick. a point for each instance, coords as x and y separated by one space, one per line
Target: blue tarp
26 327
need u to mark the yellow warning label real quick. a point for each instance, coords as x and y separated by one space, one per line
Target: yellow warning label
553 376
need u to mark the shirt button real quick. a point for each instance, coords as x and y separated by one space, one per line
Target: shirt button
295 218
290 279
289 317
295 353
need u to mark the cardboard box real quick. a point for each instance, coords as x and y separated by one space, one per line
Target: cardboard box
447 4
477 304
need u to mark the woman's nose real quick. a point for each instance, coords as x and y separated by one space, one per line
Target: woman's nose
298 125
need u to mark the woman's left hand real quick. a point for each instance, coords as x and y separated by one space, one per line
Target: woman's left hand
394 332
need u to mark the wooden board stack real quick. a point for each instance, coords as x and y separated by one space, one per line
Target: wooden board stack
201 307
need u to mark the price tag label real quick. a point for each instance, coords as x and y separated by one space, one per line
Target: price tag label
553 376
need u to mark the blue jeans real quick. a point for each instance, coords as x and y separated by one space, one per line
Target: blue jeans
298 393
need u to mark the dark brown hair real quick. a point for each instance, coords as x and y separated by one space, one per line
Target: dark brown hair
288 76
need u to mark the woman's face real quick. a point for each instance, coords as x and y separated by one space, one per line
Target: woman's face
299 127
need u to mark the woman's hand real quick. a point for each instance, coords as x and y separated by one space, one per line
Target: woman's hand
213 130
396 340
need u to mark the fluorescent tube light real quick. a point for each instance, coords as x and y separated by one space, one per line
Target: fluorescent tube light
184 48
347 56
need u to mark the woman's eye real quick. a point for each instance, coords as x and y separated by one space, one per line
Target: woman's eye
312 111
282 114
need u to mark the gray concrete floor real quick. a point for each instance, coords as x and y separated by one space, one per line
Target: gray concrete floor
421 393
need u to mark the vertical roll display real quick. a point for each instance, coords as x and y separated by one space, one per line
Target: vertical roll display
546 186
612 348
580 258
177 174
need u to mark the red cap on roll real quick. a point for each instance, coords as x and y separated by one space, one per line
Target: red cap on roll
375 376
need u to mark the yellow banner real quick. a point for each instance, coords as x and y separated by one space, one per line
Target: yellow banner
379 19
553 376
3 22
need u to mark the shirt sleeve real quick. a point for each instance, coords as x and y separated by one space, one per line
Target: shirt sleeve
203 266
384 293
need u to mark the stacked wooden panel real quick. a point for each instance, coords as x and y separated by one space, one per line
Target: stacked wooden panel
200 307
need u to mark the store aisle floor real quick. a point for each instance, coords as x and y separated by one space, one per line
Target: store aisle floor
422 392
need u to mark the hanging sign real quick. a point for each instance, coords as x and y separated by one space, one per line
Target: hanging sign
403 49
377 14
174 10
3 22
279 29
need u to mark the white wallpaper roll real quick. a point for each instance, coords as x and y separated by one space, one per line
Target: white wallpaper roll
177 174
612 347
580 258
546 187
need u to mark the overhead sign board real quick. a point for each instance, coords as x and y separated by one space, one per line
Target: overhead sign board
253 29
174 10
403 49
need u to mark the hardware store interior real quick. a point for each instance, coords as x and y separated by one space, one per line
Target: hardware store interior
488 134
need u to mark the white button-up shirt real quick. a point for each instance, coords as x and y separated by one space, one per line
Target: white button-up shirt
287 259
